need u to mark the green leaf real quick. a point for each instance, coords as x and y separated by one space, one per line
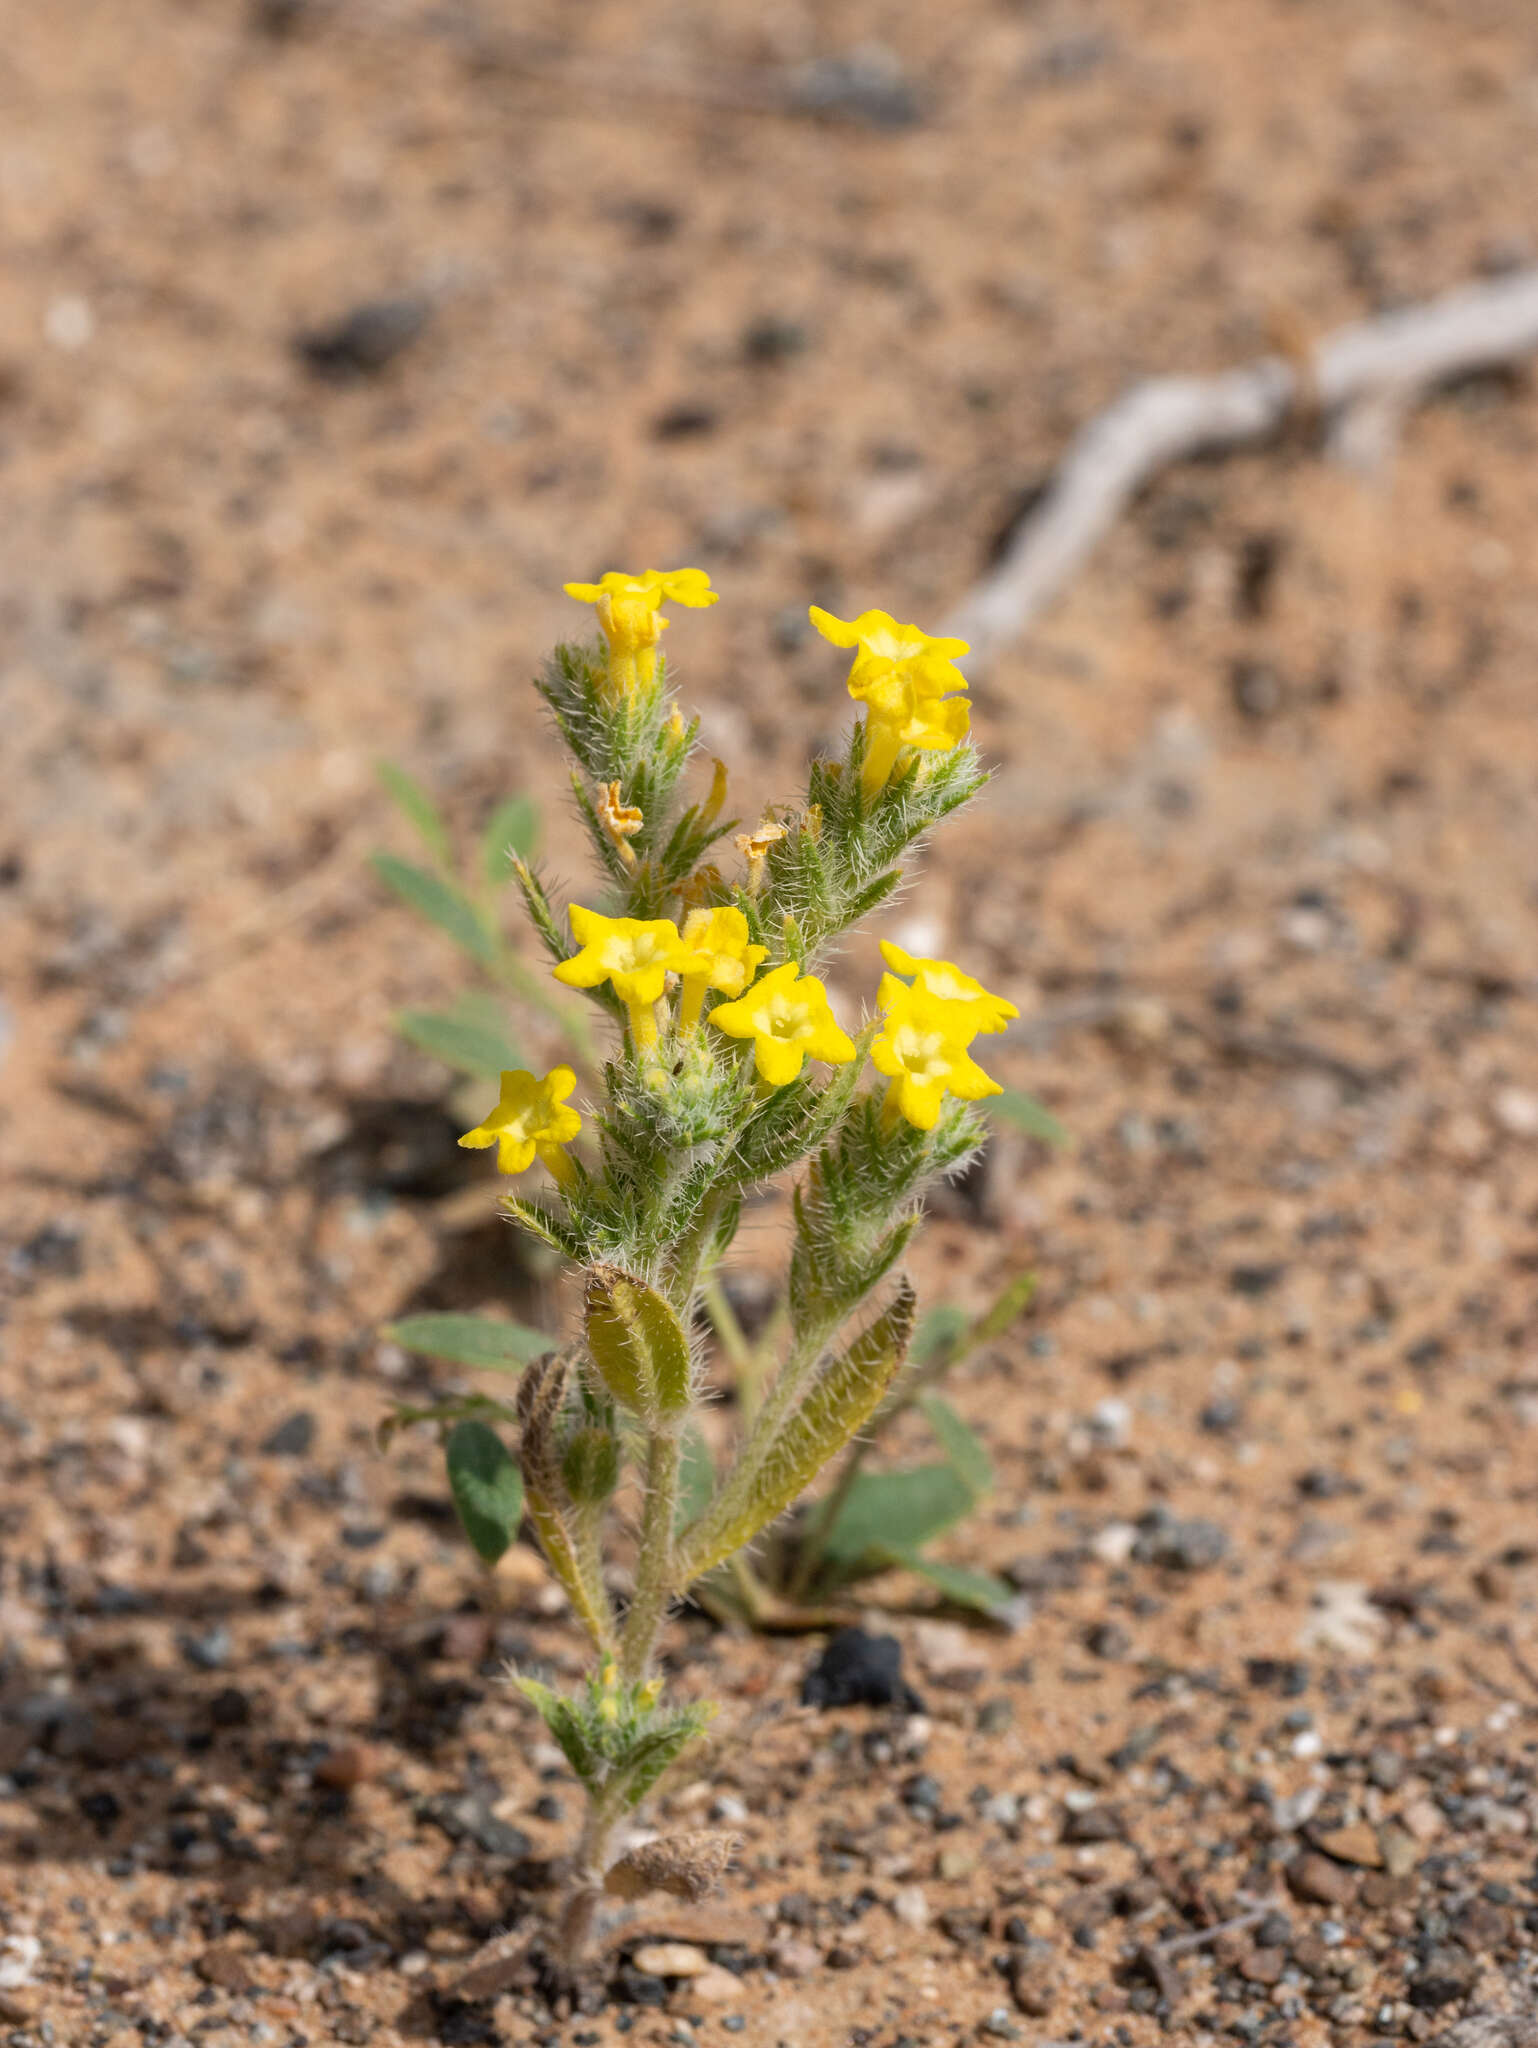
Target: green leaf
404 1413
471 1037
411 798
940 1329
885 1511
513 831
469 1340
486 1486
963 1448
638 1345
1026 1114
696 1478
961 1587
441 902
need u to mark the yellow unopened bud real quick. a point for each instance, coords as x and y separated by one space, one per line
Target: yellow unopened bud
711 808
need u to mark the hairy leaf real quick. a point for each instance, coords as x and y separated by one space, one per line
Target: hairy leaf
696 1478
773 1470
486 1487
638 1345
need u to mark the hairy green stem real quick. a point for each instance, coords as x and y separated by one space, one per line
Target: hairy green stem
654 1566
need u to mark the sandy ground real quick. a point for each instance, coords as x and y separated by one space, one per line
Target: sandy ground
1258 864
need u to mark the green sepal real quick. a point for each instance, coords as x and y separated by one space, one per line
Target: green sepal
590 1466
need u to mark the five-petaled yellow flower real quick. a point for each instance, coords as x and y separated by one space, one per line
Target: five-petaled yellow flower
716 954
922 1049
947 984
530 1119
787 1016
635 954
630 613
907 680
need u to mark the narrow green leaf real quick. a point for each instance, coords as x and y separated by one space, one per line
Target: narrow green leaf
1026 1114
404 1413
412 799
1006 1308
883 1510
441 902
471 1037
940 1329
961 1587
512 834
469 1340
486 1486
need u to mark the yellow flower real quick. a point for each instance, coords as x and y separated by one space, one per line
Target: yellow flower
531 1118
787 1016
717 954
633 953
922 1050
947 984
907 680
630 613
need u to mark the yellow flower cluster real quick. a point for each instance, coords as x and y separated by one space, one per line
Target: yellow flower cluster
908 681
630 613
926 1029
927 1024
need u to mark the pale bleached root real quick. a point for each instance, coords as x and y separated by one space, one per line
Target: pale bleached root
1387 364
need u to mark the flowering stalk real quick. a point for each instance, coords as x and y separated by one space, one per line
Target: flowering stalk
734 1069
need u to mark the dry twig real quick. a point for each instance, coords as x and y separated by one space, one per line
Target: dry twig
1375 372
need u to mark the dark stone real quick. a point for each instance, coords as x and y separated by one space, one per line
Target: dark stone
1107 1639
1254 1281
686 421
1258 689
630 1986
1187 1546
859 1670
292 1438
101 1809
1287 1676
364 341
773 339
229 1708
1098 1824
470 1819
1445 1975
864 86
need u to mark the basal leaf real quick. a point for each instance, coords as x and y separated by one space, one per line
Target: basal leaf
887 1511
512 834
962 1587
487 1488
962 1446
469 1340
412 800
1026 1114
441 902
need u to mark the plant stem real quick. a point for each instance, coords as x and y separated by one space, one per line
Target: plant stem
654 1566
740 1354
